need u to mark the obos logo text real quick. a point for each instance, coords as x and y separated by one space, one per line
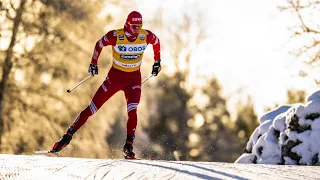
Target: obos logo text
131 49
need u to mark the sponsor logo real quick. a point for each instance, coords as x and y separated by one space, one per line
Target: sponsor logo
126 65
131 49
122 48
129 65
139 48
136 87
136 19
121 37
130 57
142 37
127 34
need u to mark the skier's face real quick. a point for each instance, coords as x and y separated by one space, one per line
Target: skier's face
135 28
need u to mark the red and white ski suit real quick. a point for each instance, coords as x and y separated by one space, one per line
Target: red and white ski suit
124 74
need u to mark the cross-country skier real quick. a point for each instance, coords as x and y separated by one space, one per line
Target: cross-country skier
128 45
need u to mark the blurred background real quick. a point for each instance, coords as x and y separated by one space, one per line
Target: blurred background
225 63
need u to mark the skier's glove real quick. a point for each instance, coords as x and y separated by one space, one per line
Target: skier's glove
93 69
156 68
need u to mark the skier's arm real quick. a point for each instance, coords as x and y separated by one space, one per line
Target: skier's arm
154 40
108 39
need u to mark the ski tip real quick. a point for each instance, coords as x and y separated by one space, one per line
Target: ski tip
46 152
42 152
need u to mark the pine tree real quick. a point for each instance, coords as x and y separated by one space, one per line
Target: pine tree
169 130
296 96
246 121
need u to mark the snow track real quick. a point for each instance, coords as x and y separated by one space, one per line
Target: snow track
42 167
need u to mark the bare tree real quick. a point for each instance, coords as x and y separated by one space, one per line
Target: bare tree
34 30
306 31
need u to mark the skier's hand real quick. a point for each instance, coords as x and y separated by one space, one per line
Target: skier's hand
156 68
93 69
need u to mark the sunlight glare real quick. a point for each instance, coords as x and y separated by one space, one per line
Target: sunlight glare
199 120
194 138
241 134
194 152
58 106
19 75
46 78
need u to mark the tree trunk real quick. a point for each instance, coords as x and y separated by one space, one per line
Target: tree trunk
7 66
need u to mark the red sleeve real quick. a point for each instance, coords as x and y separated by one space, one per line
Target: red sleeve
108 39
154 40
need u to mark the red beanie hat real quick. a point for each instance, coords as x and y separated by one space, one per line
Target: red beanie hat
134 18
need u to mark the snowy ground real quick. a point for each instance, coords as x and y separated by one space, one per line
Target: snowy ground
287 135
41 167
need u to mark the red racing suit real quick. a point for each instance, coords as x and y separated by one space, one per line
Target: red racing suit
127 52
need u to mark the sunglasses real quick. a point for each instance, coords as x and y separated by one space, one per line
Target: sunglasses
135 26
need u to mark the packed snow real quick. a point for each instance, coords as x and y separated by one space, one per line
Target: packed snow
287 135
24 167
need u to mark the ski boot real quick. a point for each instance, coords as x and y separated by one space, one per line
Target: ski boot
128 148
64 141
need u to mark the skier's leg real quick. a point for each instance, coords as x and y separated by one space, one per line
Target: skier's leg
132 94
104 92
133 98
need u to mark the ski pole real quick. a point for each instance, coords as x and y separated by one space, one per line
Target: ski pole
69 90
146 78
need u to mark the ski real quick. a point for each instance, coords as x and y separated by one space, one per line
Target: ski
46 152
132 158
139 159
49 153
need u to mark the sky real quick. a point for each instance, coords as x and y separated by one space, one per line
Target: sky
245 48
